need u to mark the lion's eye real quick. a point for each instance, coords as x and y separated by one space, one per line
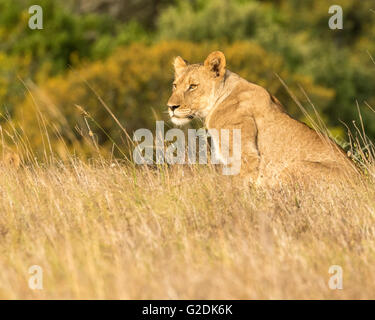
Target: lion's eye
193 86
174 86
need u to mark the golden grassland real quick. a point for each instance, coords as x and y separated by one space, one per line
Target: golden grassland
115 231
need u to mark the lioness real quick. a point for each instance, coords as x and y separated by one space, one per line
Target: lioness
275 147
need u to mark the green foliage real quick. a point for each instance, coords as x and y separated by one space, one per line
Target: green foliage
65 37
11 88
211 20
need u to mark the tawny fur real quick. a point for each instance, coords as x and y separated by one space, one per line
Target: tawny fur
275 147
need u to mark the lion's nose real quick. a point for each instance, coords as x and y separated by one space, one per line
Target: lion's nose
173 108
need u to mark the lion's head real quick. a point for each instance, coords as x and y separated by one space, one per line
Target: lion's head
195 87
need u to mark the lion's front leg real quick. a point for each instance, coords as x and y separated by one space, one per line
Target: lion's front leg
243 156
250 168
250 155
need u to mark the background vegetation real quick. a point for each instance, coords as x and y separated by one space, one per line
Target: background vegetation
121 51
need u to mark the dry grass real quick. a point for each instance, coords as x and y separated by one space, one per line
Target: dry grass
114 231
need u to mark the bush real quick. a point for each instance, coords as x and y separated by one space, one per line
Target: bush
211 20
66 37
12 90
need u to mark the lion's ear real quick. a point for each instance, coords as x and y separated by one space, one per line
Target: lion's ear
179 64
216 63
